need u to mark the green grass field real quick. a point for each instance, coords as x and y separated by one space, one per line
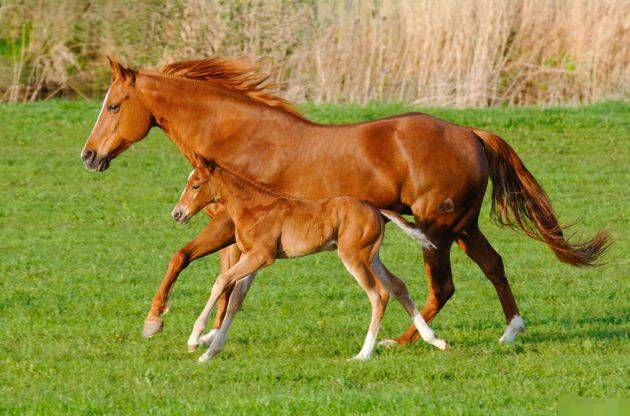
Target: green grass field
82 253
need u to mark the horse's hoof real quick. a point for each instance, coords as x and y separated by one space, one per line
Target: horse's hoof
152 327
515 327
359 357
192 347
388 343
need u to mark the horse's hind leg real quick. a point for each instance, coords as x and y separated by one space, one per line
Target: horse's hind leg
398 289
357 264
476 246
437 267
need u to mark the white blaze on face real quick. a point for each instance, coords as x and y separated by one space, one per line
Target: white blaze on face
184 191
99 116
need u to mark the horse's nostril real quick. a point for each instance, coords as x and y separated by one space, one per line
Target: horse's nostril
88 155
177 215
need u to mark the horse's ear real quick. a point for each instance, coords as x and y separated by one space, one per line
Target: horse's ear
116 68
120 72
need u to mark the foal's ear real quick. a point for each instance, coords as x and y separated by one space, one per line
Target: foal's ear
120 72
202 164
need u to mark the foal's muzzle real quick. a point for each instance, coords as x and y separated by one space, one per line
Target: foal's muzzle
93 161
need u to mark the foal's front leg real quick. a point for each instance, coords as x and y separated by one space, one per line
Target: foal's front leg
217 337
248 264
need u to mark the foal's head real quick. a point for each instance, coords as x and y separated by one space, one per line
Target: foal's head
199 190
123 120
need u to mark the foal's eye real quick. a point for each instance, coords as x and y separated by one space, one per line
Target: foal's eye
196 186
113 108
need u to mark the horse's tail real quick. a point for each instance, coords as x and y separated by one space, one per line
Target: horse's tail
519 201
408 228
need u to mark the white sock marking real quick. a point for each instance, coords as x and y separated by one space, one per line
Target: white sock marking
515 327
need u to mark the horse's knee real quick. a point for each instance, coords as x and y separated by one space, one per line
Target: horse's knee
444 292
495 271
181 258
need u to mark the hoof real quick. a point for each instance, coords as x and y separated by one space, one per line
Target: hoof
192 347
207 356
515 327
359 357
388 343
208 338
152 327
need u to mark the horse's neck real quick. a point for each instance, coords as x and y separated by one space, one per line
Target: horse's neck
215 122
236 194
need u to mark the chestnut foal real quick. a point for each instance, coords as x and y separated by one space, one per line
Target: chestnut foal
270 225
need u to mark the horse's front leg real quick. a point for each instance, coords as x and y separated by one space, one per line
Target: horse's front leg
215 236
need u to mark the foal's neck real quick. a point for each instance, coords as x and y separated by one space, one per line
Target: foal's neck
239 195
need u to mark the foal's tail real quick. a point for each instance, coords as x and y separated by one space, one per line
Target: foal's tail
520 202
408 228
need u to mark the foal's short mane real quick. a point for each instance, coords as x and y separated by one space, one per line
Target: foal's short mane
235 74
259 186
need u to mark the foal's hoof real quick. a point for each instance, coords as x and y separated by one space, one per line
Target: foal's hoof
208 355
152 327
388 343
192 347
208 338
442 344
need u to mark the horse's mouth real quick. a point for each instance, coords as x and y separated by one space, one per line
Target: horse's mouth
103 164
96 164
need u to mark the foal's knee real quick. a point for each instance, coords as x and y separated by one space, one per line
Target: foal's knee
384 297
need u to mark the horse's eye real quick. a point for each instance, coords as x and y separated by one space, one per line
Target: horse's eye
196 186
113 108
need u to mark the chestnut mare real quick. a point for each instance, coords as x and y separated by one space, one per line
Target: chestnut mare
269 225
412 164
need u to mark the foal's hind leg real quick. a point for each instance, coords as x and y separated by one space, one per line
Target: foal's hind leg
477 247
357 265
398 289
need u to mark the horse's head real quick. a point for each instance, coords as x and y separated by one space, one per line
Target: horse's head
199 191
123 120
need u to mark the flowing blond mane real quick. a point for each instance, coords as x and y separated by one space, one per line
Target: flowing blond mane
235 74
